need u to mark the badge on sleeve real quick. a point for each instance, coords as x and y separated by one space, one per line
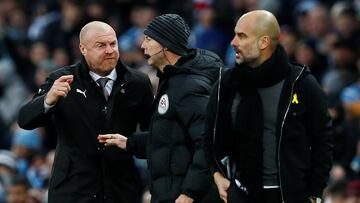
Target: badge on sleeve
163 104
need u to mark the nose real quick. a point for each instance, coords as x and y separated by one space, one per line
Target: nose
234 42
109 49
143 45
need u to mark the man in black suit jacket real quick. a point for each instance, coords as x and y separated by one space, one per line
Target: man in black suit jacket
95 96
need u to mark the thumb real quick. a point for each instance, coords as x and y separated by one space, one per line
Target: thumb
69 81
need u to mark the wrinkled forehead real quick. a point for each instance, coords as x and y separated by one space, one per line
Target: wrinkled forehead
100 35
106 34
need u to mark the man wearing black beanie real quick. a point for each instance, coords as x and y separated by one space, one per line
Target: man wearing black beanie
174 145
171 31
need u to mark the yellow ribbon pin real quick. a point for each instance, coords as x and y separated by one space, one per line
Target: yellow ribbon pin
295 99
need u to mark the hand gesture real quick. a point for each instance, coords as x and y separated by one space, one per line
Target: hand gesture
222 185
59 89
113 140
184 199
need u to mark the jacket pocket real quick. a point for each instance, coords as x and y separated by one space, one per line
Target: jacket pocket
236 195
60 171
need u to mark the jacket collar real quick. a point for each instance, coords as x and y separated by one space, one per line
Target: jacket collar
121 70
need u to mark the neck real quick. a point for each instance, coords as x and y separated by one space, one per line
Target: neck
169 59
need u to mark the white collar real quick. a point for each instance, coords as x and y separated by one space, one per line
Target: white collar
112 75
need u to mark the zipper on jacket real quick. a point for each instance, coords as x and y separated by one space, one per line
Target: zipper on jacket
281 130
215 123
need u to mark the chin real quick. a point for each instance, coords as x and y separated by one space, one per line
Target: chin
110 64
150 62
107 67
239 62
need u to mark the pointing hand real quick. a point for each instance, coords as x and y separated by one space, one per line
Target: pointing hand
59 89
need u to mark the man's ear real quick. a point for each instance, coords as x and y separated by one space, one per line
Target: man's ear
82 49
263 42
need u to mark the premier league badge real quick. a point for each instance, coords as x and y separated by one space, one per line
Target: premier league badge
163 104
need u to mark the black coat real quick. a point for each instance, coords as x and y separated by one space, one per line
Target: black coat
304 135
175 153
84 170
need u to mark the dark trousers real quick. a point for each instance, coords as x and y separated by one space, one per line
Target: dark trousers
272 195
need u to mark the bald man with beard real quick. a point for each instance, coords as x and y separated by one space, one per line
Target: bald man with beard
97 95
268 128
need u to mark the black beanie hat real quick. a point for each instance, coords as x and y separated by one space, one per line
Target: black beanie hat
171 31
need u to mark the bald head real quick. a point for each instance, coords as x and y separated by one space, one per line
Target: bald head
262 23
87 32
256 37
98 45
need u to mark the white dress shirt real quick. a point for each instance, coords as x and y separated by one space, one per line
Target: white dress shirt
110 83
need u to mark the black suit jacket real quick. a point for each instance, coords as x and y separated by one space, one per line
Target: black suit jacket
84 170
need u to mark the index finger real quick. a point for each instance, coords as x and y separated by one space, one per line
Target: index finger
106 136
65 78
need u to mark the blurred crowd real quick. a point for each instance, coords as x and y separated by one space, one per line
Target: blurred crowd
39 36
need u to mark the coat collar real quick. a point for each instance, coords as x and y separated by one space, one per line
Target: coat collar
121 70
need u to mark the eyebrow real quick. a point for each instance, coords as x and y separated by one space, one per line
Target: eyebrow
240 34
100 42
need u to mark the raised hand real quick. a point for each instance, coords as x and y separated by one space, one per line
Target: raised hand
59 89
113 140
